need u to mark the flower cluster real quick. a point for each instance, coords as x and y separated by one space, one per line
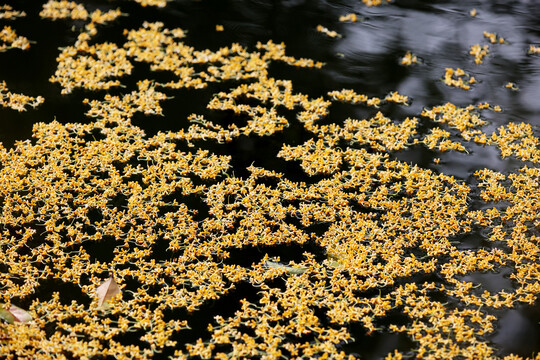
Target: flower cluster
458 78
462 119
157 3
10 40
17 101
8 13
408 59
350 96
84 65
330 33
438 139
91 66
162 49
517 139
375 2
511 86
63 9
533 49
352 17
479 52
397 98
494 38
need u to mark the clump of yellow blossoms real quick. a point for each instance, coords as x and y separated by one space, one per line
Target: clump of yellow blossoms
458 78
494 38
349 17
375 2
84 65
10 40
17 101
517 139
350 96
330 33
438 139
55 10
91 66
511 86
479 52
7 12
514 139
157 3
63 9
409 59
397 98
462 119
533 49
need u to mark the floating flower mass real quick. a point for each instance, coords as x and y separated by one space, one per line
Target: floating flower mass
479 52
7 12
103 210
409 59
458 78
10 40
349 17
330 33
494 38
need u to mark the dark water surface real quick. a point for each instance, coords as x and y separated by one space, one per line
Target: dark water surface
365 59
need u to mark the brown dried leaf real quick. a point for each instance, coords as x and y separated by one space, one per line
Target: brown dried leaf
106 291
19 314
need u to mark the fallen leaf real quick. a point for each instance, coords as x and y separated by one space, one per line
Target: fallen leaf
106 291
14 314
19 314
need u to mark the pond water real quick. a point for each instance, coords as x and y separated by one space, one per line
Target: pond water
365 57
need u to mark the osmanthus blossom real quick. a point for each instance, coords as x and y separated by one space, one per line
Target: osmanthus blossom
102 211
